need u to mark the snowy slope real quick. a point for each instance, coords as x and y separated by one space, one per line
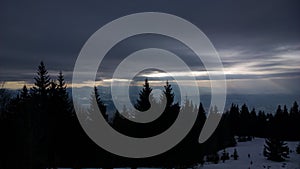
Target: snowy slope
255 149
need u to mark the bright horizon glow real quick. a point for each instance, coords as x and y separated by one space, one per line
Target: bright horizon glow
263 85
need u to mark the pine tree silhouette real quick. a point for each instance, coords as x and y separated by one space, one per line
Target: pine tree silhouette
53 94
169 95
95 102
5 97
234 119
42 81
275 150
261 125
295 109
24 93
294 119
143 102
244 121
64 101
40 117
202 116
235 155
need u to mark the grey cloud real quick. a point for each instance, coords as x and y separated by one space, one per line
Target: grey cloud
55 31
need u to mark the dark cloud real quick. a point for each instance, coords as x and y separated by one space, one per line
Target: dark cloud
54 31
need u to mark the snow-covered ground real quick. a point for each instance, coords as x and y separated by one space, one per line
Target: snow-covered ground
255 149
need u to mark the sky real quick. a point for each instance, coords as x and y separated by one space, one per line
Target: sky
258 41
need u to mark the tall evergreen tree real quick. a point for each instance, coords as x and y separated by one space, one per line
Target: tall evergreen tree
261 125
40 117
275 150
5 98
253 123
245 120
235 155
234 119
279 111
24 92
42 81
285 111
202 115
295 109
280 123
169 95
64 101
97 102
52 90
188 106
171 108
143 102
294 119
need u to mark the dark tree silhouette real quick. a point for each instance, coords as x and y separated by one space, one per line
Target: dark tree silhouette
201 116
295 109
63 96
169 95
275 150
39 129
42 81
143 102
41 117
24 93
294 119
5 97
234 119
224 156
235 155
245 121
253 123
261 125
95 101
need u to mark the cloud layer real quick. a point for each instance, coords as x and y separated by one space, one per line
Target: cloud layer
259 43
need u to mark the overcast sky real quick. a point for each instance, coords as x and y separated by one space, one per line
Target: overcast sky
258 41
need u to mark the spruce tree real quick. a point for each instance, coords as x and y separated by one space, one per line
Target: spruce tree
235 155
279 112
234 119
280 123
96 102
52 90
253 124
143 102
65 104
169 94
245 121
201 116
5 98
40 114
24 93
275 150
188 106
261 125
42 81
293 120
295 109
